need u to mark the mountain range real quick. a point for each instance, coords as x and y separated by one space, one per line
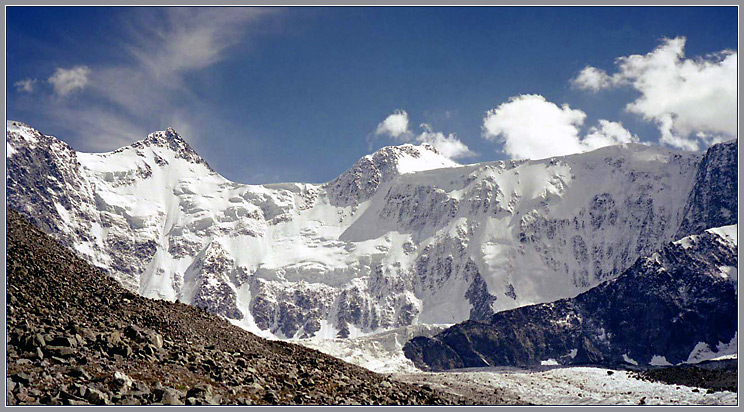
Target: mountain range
404 237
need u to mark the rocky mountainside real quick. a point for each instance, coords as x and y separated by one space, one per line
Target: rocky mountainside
76 337
676 305
713 201
404 237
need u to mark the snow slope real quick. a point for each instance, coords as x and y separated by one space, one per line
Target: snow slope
404 237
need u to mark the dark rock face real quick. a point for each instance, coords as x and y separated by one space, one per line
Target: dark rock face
663 305
713 375
76 337
41 167
713 200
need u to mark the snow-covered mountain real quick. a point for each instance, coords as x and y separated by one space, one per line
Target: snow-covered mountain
404 237
677 305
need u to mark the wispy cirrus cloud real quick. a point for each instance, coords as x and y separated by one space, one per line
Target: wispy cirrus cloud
149 86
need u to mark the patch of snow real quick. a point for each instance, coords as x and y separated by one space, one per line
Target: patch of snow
549 362
379 352
729 272
657 360
729 233
703 352
9 150
63 213
627 359
427 160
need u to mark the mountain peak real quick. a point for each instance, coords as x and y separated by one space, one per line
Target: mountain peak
361 181
170 139
408 158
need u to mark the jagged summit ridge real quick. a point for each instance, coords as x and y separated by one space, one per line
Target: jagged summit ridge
170 139
403 237
363 179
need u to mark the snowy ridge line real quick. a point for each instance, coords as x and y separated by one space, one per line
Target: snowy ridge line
404 237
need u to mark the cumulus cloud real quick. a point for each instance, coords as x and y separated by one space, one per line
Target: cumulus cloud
449 146
591 78
534 128
25 85
608 133
396 127
66 81
692 101
530 127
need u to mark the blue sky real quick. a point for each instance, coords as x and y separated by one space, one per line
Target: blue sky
299 94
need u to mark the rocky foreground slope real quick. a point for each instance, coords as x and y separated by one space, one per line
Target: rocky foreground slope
676 305
404 237
76 337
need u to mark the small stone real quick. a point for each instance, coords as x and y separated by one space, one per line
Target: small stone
63 342
60 351
59 360
200 390
114 338
155 339
214 400
21 377
96 397
39 340
172 397
270 397
610 372
123 380
141 387
79 372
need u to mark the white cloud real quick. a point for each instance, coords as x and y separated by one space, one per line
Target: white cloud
533 128
591 78
65 81
449 146
692 101
25 85
608 133
530 127
189 38
147 87
395 126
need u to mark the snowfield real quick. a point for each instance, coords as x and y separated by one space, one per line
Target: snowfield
567 386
